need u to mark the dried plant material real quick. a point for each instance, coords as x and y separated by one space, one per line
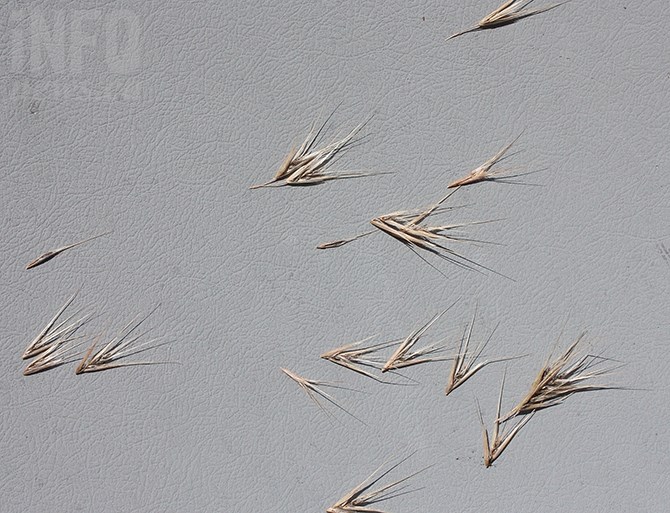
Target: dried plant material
42 259
313 390
58 353
403 356
355 357
508 13
120 347
342 242
306 165
364 499
561 378
465 364
408 228
496 444
52 333
485 172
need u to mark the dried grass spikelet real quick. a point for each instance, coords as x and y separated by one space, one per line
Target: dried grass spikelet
313 389
465 363
410 229
357 357
404 356
339 243
486 173
364 498
44 258
112 354
59 352
559 379
53 333
307 165
509 12
496 443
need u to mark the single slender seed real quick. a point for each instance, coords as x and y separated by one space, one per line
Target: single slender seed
42 259
342 242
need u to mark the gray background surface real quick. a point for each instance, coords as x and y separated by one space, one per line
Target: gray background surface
157 129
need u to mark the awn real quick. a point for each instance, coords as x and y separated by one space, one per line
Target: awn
306 165
42 259
51 333
58 353
354 357
509 12
407 227
465 365
496 444
560 379
363 499
121 346
485 173
313 391
404 357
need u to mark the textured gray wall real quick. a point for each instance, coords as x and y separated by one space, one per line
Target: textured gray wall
157 130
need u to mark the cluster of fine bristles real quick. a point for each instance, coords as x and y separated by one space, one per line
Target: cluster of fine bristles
486 173
364 497
360 358
307 165
558 379
57 345
465 363
509 12
411 229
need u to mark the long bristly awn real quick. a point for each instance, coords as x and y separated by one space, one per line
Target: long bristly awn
486 173
465 363
403 356
42 259
509 12
561 378
122 346
306 165
408 228
52 333
60 352
364 499
496 444
356 357
313 389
